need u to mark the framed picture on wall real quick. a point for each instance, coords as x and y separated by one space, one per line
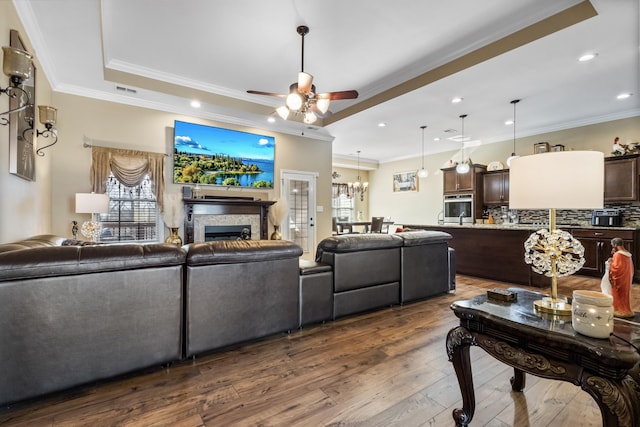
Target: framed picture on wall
541 147
405 181
557 147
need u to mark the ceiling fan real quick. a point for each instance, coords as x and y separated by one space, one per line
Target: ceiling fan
302 97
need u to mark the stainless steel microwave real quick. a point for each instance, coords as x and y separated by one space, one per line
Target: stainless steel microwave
458 209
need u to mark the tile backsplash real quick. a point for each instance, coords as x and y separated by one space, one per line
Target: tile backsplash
631 216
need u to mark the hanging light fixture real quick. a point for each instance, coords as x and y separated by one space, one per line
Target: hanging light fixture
423 173
462 167
358 187
513 153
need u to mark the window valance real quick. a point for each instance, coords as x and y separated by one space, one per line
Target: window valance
129 167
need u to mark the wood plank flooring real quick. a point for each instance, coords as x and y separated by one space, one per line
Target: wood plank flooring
385 368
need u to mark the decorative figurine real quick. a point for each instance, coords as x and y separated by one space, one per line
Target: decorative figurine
74 229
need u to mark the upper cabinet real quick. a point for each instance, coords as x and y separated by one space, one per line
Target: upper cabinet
471 182
621 179
496 188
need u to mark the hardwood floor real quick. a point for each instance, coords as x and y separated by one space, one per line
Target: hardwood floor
386 368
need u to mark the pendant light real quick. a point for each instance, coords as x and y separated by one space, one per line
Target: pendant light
513 153
423 173
462 167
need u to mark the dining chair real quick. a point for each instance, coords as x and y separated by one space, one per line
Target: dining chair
376 224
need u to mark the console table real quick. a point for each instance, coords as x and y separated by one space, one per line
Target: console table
548 347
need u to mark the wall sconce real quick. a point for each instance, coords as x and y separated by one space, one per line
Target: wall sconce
47 116
17 65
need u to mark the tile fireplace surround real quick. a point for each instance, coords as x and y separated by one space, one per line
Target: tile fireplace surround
225 211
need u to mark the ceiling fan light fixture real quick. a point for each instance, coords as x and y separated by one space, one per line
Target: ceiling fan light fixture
302 99
304 82
283 112
294 100
323 103
309 117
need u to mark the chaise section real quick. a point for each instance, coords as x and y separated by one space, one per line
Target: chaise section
238 290
366 271
74 314
316 292
425 264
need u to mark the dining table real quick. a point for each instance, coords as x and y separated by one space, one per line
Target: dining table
366 225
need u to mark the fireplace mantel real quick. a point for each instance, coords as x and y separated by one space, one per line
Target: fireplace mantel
225 206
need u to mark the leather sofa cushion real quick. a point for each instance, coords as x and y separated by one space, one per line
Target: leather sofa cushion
70 260
424 237
240 251
359 242
43 240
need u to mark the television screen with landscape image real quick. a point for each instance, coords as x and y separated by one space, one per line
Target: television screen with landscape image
209 155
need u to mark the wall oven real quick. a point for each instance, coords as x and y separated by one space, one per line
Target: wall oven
458 209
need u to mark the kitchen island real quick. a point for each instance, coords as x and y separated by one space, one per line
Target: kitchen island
496 251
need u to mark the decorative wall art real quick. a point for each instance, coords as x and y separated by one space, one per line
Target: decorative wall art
22 148
405 181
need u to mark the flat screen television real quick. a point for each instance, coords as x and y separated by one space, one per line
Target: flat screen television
210 155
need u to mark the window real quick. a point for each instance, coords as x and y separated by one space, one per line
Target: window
343 208
133 212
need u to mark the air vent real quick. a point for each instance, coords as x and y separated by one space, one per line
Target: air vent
450 131
126 89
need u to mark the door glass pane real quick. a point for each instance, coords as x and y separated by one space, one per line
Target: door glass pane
298 200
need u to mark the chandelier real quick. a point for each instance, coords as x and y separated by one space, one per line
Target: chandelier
358 187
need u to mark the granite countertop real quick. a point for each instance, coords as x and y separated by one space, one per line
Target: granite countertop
532 227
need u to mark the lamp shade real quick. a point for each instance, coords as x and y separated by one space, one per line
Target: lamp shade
557 180
92 203
47 114
16 62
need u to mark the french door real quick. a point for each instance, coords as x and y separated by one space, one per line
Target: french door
299 190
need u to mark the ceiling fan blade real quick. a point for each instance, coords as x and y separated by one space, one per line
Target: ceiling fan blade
345 94
257 92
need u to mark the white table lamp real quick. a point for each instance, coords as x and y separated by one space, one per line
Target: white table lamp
94 204
556 180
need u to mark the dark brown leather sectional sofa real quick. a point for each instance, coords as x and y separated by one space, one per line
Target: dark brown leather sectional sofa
72 313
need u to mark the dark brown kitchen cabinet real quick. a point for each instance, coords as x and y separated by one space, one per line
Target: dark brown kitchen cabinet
597 247
496 188
470 182
621 179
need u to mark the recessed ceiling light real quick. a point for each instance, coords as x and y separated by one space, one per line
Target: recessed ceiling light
382 124
195 104
271 119
624 95
508 122
587 57
436 139
457 99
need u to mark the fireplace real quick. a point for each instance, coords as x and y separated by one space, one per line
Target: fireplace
241 212
226 232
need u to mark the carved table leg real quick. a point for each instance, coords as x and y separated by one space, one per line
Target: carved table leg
619 401
518 380
458 341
